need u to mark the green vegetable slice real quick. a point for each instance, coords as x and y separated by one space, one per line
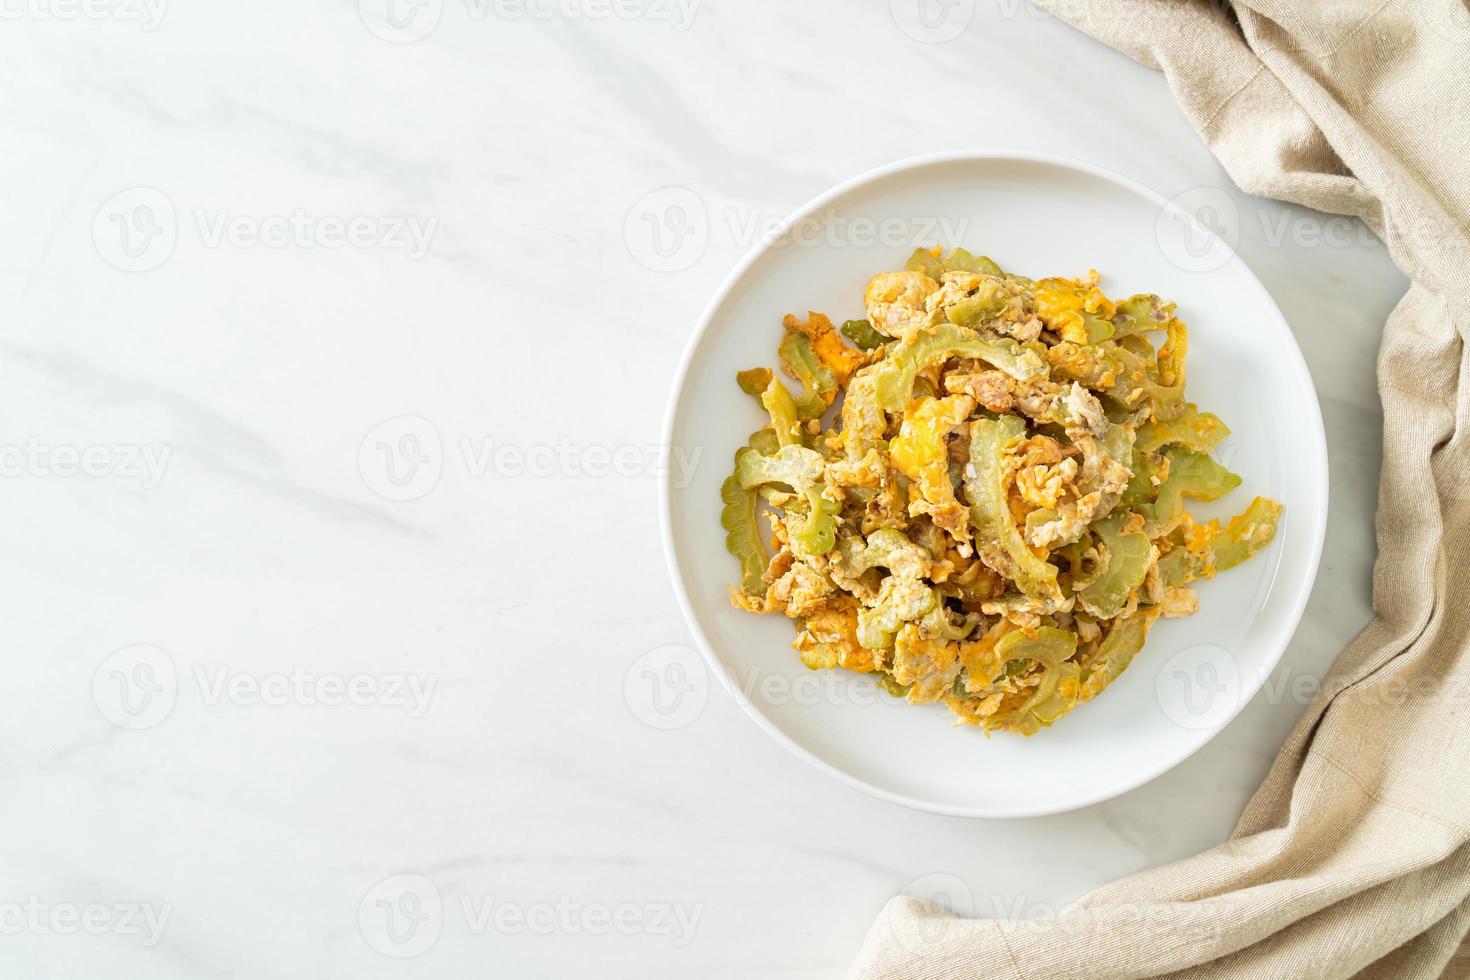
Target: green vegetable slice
894 379
801 364
886 548
924 260
1127 564
900 600
1097 328
937 624
1182 566
817 535
754 381
785 419
1138 345
795 466
1172 356
1134 385
764 442
990 300
1142 313
998 541
1168 395
1142 490
1191 474
861 332
1193 429
962 261
742 533
1116 652
1247 533
800 469
1057 692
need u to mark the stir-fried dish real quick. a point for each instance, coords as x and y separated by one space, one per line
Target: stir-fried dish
979 494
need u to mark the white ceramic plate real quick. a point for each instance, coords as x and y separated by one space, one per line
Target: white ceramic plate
1037 216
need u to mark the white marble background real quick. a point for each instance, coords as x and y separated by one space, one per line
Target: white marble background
215 762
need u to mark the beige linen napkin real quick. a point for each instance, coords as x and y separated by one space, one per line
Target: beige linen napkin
1353 858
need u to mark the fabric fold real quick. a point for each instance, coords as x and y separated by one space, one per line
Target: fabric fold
1353 856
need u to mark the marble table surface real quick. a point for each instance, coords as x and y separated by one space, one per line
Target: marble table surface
337 339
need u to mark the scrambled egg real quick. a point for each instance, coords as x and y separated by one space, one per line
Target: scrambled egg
1074 309
897 302
921 453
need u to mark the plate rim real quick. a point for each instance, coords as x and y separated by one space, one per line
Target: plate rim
1318 450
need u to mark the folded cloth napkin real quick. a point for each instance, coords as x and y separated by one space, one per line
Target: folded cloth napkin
1353 858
